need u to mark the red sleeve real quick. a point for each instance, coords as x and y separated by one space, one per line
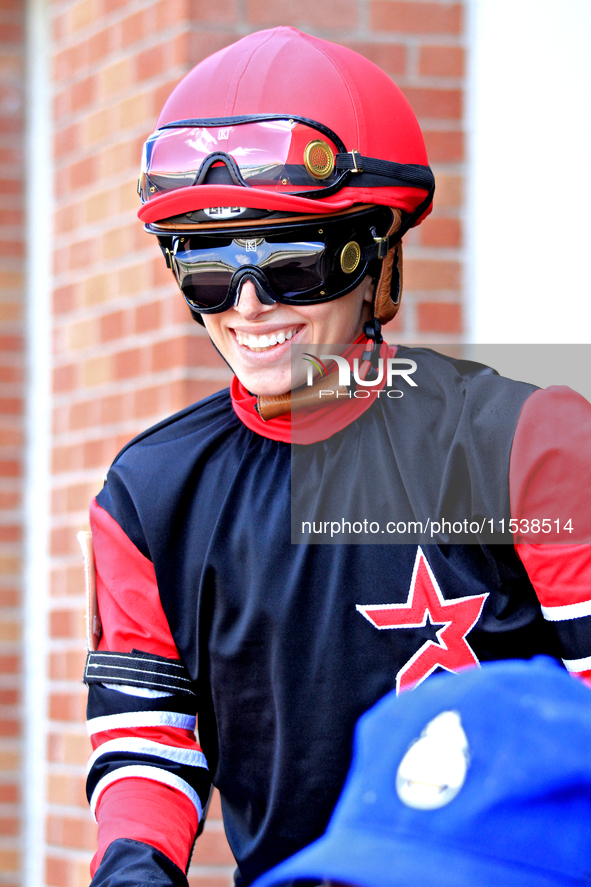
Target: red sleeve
158 808
550 479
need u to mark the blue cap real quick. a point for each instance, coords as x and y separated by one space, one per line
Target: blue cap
481 779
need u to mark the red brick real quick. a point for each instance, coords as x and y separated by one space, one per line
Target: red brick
9 727
221 12
390 57
67 707
12 33
114 5
66 459
150 63
435 102
65 63
97 46
112 409
146 402
201 880
65 378
306 14
82 173
12 248
130 363
61 541
416 17
9 793
67 581
81 254
94 453
444 146
148 317
11 405
68 831
64 624
66 219
112 326
441 61
10 186
9 826
133 28
67 666
10 534
10 155
9 664
65 789
439 317
431 274
81 415
9 125
212 849
11 216
56 872
10 374
10 468
441 232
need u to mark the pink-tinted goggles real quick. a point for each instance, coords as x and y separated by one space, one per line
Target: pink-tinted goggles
285 154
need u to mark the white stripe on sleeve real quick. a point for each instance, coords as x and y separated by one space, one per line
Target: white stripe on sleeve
131 719
136 745
567 611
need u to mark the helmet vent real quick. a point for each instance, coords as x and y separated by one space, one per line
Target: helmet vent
318 159
350 257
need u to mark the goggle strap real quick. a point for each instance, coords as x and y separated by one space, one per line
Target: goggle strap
416 175
380 247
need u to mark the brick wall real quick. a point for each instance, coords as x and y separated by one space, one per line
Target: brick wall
125 352
11 430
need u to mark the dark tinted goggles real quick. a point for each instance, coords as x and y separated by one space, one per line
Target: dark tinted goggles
297 264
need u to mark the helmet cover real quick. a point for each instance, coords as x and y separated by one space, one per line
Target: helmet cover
285 72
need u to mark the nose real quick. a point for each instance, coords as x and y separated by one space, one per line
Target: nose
249 305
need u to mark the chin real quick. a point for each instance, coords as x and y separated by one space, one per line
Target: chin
269 387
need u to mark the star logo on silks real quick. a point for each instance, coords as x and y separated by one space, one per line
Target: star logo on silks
452 619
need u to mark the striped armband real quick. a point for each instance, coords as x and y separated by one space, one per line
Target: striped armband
183 769
572 623
137 669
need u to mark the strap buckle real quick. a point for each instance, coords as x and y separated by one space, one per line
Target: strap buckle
382 245
356 167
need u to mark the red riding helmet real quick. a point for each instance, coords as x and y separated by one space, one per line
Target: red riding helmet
282 124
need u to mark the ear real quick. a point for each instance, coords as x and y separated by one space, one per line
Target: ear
368 285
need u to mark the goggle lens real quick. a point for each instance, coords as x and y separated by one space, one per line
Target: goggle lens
282 155
293 270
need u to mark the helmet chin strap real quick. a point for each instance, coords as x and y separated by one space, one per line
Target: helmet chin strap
373 330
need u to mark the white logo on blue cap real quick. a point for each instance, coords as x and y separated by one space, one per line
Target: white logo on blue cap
433 770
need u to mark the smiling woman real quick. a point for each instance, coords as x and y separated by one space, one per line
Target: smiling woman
284 236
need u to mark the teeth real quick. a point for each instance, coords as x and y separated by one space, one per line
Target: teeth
258 343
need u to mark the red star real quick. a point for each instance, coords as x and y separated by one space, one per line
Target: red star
459 616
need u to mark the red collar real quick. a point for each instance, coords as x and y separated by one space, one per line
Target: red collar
309 425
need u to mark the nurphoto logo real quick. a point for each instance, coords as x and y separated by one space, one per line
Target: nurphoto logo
393 367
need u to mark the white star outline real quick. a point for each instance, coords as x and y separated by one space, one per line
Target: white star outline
363 609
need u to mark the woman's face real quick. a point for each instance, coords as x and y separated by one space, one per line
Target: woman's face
255 339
